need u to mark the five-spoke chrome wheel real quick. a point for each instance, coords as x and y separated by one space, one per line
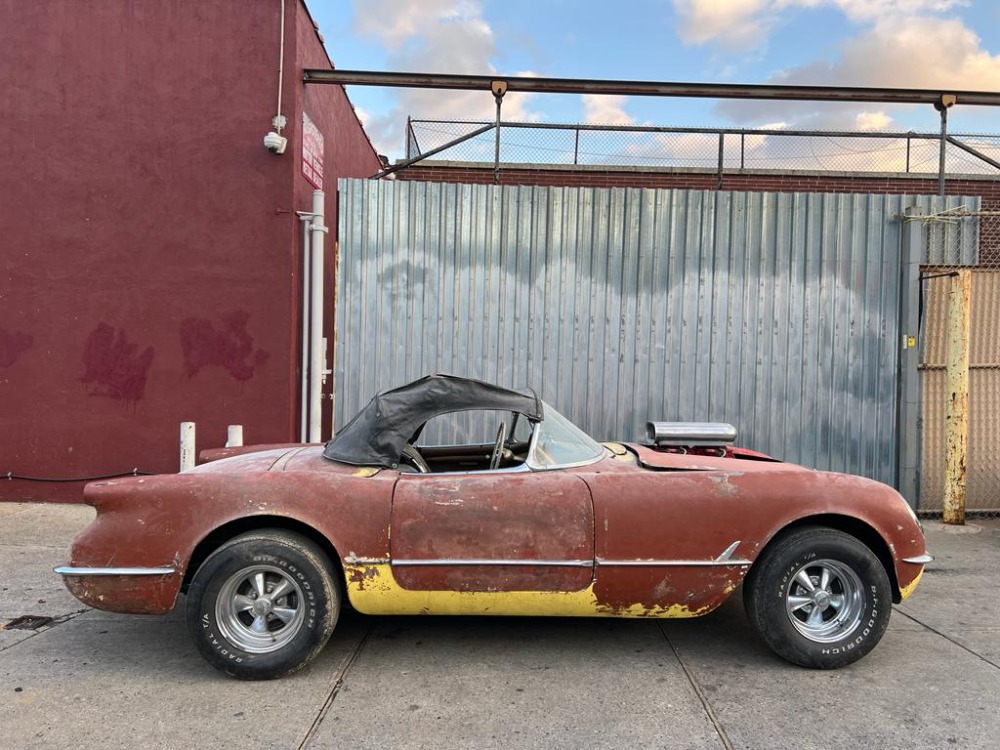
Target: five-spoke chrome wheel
263 604
818 597
824 600
259 609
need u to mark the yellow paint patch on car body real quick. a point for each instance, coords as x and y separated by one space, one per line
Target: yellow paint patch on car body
906 590
372 589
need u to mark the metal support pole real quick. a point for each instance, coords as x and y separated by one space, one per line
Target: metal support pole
743 150
956 419
187 446
944 144
722 150
540 85
316 354
908 421
499 88
433 152
576 146
496 155
909 145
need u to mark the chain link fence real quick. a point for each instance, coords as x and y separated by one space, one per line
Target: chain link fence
948 236
722 150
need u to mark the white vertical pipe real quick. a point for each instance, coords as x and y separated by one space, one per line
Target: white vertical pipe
316 365
235 436
304 384
281 67
333 375
187 446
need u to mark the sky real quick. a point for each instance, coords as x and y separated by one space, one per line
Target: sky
933 44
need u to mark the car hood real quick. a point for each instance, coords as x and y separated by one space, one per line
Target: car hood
664 461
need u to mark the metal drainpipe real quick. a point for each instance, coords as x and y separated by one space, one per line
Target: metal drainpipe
316 353
944 149
305 218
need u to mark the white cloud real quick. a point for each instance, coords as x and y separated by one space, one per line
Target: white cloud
434 36
600 109
872 121
747 24
891 53
872 10
394 22
734 24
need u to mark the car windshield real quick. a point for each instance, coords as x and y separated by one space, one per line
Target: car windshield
561 443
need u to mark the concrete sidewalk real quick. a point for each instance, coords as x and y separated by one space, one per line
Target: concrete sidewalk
93 679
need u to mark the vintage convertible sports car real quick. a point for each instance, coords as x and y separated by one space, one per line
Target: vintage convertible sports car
411 509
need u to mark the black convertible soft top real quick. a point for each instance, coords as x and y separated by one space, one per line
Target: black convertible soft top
377 434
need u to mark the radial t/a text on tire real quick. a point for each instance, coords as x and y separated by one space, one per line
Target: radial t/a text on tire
263 605
819 598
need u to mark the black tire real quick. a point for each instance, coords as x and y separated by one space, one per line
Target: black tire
824 627
259 637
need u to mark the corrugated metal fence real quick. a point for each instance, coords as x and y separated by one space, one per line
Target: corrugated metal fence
775 312
948 240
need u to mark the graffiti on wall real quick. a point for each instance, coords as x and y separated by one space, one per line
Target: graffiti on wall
12 345
229 346
113 366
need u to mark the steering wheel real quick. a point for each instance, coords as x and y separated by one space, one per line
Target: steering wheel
497 453
411 454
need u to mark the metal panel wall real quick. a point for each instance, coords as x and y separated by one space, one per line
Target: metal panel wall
775 312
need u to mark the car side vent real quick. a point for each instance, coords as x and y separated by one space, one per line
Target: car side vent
690 434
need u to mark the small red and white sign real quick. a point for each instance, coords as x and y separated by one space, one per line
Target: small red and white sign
312 153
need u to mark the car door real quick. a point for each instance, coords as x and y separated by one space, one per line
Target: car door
492 531
670 543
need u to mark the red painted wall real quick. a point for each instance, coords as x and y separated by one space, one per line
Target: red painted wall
149 249
348 153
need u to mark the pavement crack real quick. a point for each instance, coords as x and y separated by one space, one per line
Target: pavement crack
947 638
337 681
723 736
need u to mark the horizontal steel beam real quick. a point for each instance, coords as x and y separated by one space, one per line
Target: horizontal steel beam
647 88
892 135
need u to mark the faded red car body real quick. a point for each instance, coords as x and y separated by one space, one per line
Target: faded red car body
597 528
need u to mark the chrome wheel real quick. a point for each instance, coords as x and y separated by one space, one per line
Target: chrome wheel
824 600
259 609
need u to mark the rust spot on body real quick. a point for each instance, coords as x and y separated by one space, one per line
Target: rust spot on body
725 487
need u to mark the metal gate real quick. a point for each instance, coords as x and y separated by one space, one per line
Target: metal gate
778 313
